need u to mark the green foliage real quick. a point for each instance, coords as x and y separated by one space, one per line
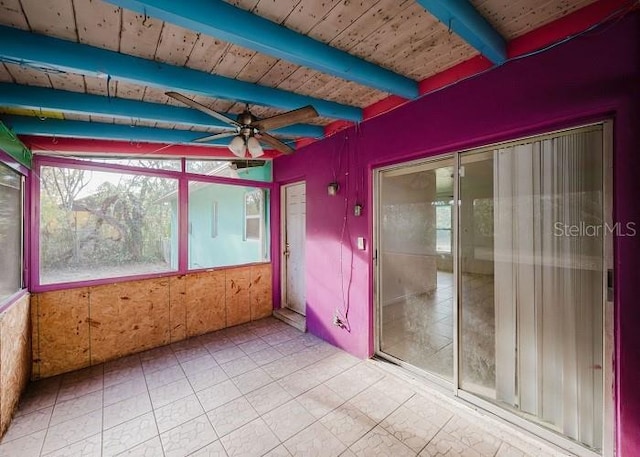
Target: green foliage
96 219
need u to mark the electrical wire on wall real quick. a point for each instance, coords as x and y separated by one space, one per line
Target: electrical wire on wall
353 180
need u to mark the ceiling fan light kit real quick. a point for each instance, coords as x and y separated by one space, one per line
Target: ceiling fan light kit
237 146
253 145
247 130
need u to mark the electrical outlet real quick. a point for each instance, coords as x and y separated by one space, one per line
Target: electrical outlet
337 321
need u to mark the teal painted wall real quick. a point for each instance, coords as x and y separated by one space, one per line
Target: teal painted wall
228 246
257 173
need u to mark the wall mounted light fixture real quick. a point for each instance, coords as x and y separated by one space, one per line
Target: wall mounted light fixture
332 188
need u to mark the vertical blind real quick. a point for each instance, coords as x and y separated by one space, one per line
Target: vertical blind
548 265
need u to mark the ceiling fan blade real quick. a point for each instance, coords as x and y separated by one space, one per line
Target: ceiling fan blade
276 143
290 117
195 105
216 136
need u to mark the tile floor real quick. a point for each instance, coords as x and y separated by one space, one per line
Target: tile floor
262 388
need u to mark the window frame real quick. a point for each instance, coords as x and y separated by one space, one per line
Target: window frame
24 175
183 177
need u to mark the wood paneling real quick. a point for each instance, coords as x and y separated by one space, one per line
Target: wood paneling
53 17
5 76
177 308
260 292
398 35
28 76
76 328
15 355
205 302
12 15
139 35
63 331
35 336
128 317
512 18
175 45
67 81
238 302
98 23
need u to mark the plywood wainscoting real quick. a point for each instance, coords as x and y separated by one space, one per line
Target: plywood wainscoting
76 328
15 366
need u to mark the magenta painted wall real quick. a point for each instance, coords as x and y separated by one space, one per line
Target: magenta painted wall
595 76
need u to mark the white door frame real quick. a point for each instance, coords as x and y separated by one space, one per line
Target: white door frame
283 241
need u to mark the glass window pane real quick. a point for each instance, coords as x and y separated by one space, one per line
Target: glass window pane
254 170
235 242
253 203
10 232
443 215
96 224
416 278
443 240
155 164
531 257
253 229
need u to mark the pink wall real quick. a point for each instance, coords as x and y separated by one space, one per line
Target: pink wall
595 76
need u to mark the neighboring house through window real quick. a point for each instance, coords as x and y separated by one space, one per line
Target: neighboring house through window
253 214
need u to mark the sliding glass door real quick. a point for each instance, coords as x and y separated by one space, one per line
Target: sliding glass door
519 320
416 264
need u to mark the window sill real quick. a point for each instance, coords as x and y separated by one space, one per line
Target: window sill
11 299
100 282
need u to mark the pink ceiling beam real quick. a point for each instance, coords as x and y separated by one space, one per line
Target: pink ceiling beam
126 148
567 26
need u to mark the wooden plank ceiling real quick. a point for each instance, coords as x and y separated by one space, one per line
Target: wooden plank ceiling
395 34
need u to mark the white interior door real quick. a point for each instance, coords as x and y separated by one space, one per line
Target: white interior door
293 239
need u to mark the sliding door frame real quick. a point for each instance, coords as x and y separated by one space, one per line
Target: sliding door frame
451 160
453 388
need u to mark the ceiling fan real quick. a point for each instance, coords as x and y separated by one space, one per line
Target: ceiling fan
247 130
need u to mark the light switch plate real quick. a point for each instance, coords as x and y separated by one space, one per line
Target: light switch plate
361 243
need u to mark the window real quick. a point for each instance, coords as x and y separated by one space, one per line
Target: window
102 224
252 215
10 232
254 170
236 213
443 227
103 219
156 164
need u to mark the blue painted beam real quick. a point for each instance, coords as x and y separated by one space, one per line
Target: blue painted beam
235 25
53 54
469 24
36 98
27 125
